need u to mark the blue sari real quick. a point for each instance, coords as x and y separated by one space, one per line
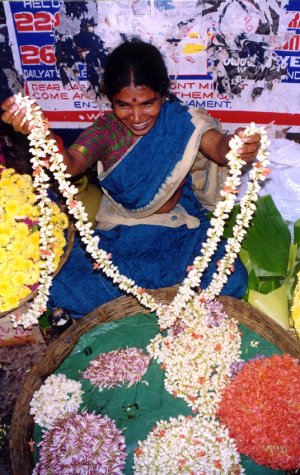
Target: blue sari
151 248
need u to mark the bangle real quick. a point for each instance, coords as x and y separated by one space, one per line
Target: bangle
60 144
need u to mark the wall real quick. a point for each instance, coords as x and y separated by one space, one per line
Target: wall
240 59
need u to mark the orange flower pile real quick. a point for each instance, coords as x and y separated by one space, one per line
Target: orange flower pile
261 408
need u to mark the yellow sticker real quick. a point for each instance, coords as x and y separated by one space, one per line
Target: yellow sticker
192 48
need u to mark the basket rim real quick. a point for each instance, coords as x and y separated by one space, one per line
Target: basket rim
21 459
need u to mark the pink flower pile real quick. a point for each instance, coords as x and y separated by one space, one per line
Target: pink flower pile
82 444
117 367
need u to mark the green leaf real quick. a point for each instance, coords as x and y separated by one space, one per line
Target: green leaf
292 257
268 240
291 278
231 221
268 285
245 258
297 233
44 320
253 283
274 304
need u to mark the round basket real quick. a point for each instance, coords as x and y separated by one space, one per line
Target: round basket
21 458
63 259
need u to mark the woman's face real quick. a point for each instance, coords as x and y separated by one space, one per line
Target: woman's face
138 107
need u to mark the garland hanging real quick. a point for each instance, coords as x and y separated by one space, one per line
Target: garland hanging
45 155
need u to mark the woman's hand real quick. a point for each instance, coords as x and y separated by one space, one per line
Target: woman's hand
215 146
250 147
15 116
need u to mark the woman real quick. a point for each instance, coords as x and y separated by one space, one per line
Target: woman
158 165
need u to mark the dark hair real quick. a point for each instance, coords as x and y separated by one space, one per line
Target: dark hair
138 63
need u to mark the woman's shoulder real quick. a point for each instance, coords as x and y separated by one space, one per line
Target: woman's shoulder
105 120
98 133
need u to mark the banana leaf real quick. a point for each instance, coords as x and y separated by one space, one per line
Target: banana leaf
268 241
275 304
297 234
271 259
266 248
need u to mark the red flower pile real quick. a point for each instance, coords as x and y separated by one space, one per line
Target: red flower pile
261 408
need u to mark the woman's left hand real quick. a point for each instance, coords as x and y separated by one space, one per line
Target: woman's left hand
250 147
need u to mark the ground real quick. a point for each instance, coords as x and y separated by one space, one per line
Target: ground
15 363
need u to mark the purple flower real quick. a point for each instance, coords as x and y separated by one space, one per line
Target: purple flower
82 444
216 313
117 367
236 366
33 287
30 223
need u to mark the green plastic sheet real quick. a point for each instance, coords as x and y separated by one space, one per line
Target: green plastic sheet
137 409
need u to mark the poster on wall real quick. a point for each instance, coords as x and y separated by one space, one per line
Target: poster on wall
239 59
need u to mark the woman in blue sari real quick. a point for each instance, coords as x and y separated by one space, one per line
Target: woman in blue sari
161 166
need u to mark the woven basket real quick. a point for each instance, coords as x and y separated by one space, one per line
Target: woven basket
22 423
63 259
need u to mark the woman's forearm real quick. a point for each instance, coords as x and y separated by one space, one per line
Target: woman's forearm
74 160
16 117
215 146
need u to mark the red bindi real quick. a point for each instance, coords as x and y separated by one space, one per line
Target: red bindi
133 99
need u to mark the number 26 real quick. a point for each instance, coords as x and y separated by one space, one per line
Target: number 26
34 55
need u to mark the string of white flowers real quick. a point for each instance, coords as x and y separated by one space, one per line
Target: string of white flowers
257 174
39 304
207 348
42 147
168 315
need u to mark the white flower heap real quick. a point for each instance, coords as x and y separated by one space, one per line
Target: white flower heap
197 355
195 445
45 154
57 397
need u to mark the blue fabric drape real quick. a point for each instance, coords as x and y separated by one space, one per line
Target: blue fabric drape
136 180
154 256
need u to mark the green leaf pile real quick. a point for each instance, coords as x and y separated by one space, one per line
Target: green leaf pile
272 259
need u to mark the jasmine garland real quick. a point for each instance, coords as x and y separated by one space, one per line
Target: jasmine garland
42 146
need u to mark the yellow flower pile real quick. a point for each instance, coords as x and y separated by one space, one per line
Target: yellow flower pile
20 258
296 307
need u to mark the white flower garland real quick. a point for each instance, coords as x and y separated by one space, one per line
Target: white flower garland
57 397
39 304
42 146
197 358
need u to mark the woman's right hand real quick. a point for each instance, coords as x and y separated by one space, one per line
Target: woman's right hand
15 116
